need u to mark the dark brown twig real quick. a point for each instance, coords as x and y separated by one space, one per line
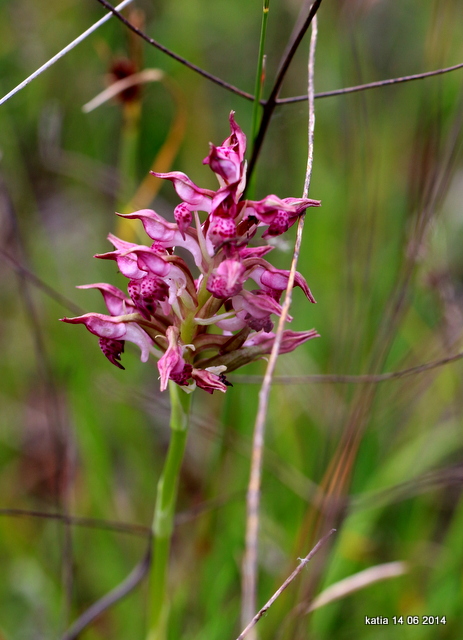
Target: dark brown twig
91 523
372 85
122 527
175 56
271 103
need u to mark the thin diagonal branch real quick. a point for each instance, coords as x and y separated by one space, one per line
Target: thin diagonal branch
372 85
285 584
349 379
175 56
90 523
271 103
28 275
62 53
181 518
249 579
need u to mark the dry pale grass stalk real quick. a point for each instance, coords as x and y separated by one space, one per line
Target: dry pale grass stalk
285 584
358 581
62 53
249 567
148 75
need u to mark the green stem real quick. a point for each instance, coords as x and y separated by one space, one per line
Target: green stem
256 113
260 64
163 522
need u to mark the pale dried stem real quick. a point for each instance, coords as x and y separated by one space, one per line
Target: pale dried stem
249 567
358 581
62 53
285 584
147 75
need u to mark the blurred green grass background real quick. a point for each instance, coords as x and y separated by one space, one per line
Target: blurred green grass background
382 257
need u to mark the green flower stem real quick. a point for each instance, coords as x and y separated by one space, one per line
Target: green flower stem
256 113
163 522
260 66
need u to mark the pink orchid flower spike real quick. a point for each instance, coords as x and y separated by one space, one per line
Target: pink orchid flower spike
206 315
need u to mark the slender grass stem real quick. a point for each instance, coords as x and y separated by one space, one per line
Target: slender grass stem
163 522
249 566
271 103
257 108
260 68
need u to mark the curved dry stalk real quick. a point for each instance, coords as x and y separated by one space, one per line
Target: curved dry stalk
62 53
249 567
147 75
134 578
358 581
285 584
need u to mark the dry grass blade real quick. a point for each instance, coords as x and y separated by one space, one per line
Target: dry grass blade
358 581
147 75
249 567
285 584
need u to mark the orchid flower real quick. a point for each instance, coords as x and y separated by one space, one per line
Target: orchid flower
176 311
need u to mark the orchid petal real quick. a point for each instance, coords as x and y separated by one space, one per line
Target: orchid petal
100 325
225 163
290 340
227 279
115 299
114 328
167 233
172 365
209 381
183 217
276 280
149 260
187 190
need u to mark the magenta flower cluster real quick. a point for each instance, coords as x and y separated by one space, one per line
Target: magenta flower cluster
201 327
